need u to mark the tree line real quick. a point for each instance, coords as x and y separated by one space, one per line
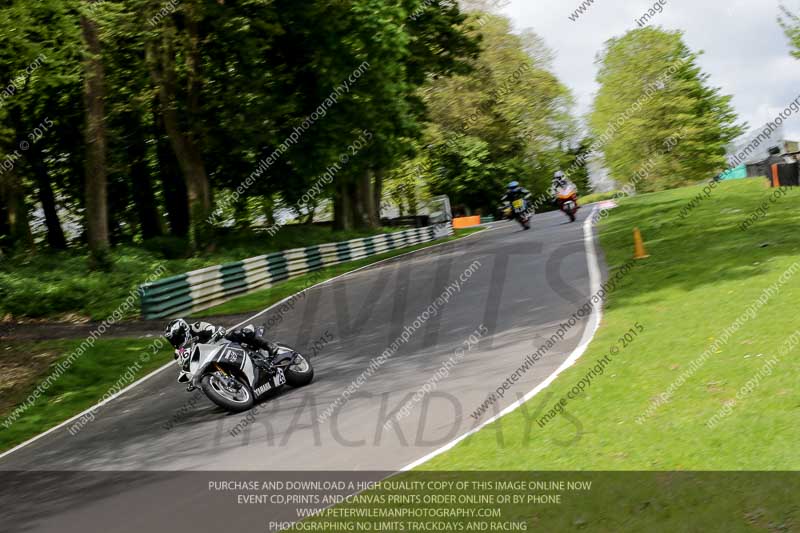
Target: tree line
149 108
130 121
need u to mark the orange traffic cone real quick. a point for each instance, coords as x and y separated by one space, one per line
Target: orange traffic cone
638 245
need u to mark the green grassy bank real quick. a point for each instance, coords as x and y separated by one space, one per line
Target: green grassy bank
706 281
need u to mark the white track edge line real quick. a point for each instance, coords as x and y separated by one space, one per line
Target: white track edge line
92 408
171 363
588 335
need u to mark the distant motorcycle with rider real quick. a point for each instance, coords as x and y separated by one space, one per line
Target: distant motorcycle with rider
566 195
516 204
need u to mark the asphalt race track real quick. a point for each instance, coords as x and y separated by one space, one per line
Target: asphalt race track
521 286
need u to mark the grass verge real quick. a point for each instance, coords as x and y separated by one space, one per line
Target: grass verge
703 284
600 196
258 300
103 369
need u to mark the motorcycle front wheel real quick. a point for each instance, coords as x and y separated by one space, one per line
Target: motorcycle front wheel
229 392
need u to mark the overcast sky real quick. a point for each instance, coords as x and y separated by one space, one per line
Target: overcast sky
746 52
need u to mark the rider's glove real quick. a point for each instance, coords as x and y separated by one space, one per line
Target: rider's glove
218 334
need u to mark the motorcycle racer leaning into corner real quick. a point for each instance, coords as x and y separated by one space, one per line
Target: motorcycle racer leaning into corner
180 335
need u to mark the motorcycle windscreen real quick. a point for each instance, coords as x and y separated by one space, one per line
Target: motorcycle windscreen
202 355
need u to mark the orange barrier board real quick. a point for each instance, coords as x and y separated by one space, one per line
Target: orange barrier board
466 222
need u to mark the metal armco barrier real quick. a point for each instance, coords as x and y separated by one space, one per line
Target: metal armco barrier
210 286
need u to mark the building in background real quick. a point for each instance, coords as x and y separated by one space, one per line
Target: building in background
752 153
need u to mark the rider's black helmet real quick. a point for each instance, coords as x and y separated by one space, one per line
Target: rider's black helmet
178 333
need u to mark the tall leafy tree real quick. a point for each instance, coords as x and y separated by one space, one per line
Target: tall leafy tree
657 111
171 107
41 114
324 43
173 51
504 121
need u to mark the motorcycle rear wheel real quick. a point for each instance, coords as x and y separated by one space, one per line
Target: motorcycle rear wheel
233 400
300 373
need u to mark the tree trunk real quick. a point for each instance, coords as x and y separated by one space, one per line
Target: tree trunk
412 201
15 211
142 184
355 194
5 229
176 199
364 202
197 189
187 152
194 172
145 200
95 185
342 210
55 235
378 196
268 204
203 200
241 214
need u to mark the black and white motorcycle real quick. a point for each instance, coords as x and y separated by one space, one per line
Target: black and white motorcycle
233 375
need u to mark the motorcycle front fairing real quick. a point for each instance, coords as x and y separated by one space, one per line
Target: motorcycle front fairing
229 354
232 354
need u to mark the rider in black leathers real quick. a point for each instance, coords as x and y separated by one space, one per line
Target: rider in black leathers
179 333
249 334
